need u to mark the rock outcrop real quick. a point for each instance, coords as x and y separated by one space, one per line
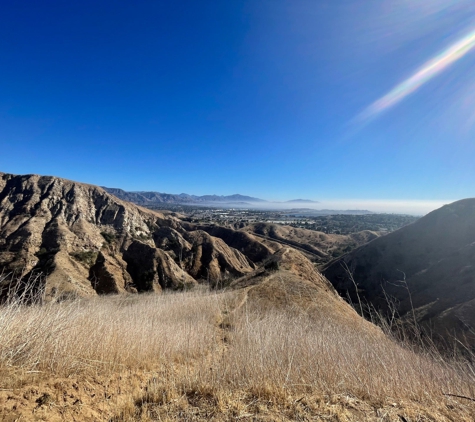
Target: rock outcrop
84 241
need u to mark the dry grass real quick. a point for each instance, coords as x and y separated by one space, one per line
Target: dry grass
201 357
107 332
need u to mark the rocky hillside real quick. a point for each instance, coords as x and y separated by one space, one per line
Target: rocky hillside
86 241
431 262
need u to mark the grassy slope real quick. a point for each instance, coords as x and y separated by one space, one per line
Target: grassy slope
266 351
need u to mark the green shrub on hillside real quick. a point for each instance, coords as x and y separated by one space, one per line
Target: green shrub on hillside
86 257
109 237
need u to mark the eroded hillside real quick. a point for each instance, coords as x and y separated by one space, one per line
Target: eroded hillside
84 240
321 246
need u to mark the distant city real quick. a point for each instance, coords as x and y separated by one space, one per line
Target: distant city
326 221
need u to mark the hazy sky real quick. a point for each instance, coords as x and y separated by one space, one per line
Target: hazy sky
327 100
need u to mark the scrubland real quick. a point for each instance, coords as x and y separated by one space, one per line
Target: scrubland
204 355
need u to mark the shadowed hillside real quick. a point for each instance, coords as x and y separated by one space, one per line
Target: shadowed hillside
431 261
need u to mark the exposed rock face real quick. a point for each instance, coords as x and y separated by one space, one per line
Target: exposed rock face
212 257
242 241
86 241
154 269
430 263
108 275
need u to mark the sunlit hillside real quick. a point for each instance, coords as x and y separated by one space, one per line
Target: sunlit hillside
267 352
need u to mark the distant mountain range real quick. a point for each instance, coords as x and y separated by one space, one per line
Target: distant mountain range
150 198
145 198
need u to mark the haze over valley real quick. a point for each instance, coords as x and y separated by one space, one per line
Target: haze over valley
348 206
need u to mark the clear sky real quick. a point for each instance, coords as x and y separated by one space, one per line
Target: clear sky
322 99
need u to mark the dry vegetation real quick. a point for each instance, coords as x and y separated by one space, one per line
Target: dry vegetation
214 356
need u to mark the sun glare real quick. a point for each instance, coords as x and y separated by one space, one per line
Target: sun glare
423 75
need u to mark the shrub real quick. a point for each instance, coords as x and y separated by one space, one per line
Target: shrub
86 257
109 237
272 266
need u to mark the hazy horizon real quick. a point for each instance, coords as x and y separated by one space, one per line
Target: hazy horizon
394 206
412 207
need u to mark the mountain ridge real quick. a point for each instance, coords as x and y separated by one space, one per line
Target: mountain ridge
86 241
152 197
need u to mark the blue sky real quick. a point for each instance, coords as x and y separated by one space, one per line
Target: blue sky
262 98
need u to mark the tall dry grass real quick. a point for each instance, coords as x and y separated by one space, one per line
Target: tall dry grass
107 332
286 353
215 348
